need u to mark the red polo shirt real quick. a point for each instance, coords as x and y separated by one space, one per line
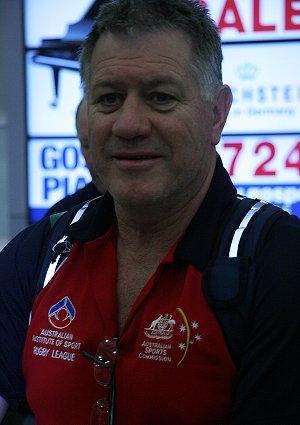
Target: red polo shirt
173 366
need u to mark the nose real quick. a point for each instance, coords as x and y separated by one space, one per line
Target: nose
132 121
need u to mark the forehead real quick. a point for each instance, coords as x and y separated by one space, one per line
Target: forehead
166 52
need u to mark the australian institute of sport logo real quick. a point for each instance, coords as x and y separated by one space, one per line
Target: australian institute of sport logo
62 313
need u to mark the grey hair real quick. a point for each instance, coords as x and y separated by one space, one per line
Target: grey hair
136 17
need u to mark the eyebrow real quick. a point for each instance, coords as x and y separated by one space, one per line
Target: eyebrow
158 81
109 83
147 84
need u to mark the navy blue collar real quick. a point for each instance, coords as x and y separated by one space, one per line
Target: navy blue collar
198 240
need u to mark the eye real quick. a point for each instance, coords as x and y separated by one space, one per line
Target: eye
161 97
162 101
109 101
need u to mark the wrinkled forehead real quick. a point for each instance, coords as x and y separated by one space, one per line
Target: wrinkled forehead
166 53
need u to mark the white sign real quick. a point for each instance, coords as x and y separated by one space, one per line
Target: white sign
261 64
48 114
50 19
56 168
265 81
238 20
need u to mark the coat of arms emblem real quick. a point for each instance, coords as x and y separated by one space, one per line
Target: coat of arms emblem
161 328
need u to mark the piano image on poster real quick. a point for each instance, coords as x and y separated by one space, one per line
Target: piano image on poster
62 53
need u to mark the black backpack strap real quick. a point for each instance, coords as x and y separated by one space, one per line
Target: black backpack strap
229 276
57 246
58 224
257 229
225 276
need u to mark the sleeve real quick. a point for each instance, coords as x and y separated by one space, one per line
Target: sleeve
19 261
267 388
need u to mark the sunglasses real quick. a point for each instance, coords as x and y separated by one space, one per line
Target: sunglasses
104 366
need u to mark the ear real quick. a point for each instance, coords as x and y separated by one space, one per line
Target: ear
222 104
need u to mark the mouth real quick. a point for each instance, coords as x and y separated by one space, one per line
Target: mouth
139 161
135 157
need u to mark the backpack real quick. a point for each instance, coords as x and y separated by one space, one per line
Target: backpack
228 279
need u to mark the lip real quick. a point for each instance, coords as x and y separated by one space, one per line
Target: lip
135 159
135 156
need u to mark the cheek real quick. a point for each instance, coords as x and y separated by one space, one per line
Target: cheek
89 161
98 136
99 125
96 152
190 138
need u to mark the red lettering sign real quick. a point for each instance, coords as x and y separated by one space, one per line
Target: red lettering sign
232 18
230 6
290 12
257 25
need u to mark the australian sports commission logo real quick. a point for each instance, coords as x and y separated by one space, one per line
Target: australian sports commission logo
62 313
185 334
161 328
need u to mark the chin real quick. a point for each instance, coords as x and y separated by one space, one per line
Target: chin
137 198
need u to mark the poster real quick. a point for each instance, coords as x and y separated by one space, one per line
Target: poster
261 143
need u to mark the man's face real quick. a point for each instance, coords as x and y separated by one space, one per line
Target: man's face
151 135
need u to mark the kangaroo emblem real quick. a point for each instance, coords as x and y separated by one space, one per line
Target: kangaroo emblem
161 328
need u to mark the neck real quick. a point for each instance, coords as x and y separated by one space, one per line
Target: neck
157 226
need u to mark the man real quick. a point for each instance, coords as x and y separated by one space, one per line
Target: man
122 332
95 187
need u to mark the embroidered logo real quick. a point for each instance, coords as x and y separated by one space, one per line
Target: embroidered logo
62 313
185 333
161 328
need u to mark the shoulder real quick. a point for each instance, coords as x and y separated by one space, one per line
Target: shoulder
18 264
277 272
287 228
277 278
279 258
267 384
19 259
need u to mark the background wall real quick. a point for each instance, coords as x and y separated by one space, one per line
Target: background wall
13 193
4 233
